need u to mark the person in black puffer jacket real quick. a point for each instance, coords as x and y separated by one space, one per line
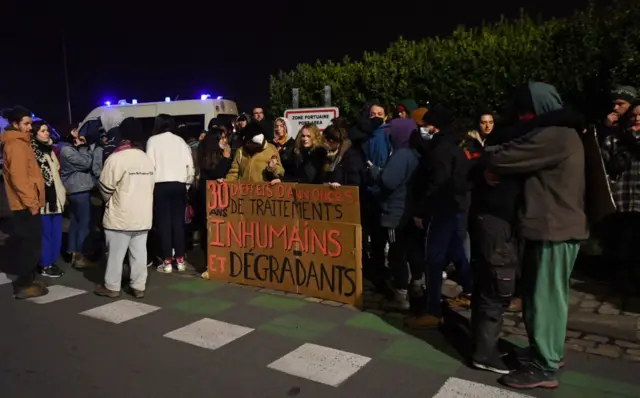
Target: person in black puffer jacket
442 209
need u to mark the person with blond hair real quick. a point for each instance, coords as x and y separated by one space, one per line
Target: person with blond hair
308 156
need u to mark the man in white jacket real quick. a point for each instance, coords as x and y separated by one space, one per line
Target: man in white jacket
126 184
174 173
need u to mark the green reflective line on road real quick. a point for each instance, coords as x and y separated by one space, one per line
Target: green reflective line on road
374 323
197 286
202 306
277 303
576 384
297 327
420 354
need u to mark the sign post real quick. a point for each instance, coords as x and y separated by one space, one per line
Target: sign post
298 238
319 116
295 98
327 95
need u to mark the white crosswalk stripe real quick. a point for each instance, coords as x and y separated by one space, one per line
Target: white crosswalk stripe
459 388
6 278
320 364
120 311
313 362
209 333
57 292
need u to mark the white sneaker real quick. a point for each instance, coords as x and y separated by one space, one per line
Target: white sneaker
182 266
165 268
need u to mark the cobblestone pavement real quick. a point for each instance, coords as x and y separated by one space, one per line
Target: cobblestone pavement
514 329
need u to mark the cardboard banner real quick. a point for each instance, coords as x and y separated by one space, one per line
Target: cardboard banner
299 238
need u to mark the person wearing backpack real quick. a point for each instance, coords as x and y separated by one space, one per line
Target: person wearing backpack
376 149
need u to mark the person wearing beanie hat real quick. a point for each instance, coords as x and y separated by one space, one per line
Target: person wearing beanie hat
406 107
628 94
621 97
126 185
257 160
442 207
439 119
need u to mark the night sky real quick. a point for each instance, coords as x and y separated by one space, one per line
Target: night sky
119 51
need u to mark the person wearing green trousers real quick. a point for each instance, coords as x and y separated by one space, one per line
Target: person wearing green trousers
552 221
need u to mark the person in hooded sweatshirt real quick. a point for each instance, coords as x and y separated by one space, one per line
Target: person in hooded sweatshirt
285 143
493 228
553 223
396 182
441 211
257 161
126 185
25 188
174 173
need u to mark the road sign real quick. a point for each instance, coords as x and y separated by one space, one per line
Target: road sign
320 116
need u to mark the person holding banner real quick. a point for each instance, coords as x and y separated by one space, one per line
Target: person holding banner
214 158
284 143
257 161
308 156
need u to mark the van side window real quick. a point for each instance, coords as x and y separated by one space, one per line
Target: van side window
226 118
193 122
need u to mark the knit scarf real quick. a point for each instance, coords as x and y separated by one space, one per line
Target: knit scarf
124 144
279 142
335 157
42 149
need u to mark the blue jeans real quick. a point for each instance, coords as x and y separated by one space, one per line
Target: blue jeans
51 238
80 226
445 242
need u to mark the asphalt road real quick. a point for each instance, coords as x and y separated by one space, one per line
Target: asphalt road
198 338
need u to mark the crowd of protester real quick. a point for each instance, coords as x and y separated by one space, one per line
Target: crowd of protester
501 204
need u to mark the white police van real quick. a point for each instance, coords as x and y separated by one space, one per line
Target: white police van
196 114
